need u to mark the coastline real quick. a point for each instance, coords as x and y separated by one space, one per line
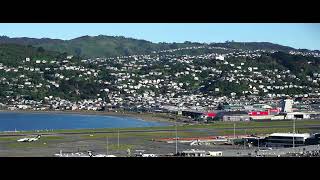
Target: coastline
151 117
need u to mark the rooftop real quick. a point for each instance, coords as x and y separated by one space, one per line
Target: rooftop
305 135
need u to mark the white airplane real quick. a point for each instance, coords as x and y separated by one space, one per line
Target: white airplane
29 139
81 154
195 143
200 142
99 155
149 155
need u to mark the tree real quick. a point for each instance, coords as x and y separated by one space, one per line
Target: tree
78 51
220 107
40 49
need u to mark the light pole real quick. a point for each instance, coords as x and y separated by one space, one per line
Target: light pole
176 139
245 142
118 139
107 146
234 132
294 131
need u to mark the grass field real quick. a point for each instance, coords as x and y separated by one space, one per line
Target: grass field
43 138
9 138
143 135
44 141
122 147
260 131
222 128
253 124
27 144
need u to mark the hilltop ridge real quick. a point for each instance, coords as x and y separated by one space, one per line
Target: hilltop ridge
112 46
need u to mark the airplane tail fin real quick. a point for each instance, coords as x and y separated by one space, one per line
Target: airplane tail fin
90 153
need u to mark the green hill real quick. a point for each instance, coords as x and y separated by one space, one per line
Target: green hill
75 79
13 54
27 40
254 46
111 46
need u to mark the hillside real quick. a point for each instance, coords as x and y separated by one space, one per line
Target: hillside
177 72
100 46
111 46
95 46
27 41
254 46
14 54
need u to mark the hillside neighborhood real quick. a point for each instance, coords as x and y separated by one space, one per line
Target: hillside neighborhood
176 78
187 90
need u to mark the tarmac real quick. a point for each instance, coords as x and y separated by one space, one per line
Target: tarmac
78 143
50 144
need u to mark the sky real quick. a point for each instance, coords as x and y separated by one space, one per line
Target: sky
296 35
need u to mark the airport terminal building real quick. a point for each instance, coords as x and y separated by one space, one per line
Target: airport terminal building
286 139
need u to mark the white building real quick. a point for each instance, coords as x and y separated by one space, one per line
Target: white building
220 57
286 139
286 105
297 115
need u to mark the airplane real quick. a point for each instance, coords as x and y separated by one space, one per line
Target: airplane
215 141
81 154
195 143
149 155
29 139
99 155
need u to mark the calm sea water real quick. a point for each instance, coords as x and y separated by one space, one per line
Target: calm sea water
10 121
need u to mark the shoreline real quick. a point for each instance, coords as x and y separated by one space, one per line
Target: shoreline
149 117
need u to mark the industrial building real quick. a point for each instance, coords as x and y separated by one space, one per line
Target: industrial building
282 140
313 139
278 117
314 115
233 116
286 139
297 115
236 117
282 110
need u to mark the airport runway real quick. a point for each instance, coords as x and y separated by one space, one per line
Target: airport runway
75 141
212 130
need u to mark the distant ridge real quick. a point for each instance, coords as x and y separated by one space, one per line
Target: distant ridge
255 46
27 40
110 46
